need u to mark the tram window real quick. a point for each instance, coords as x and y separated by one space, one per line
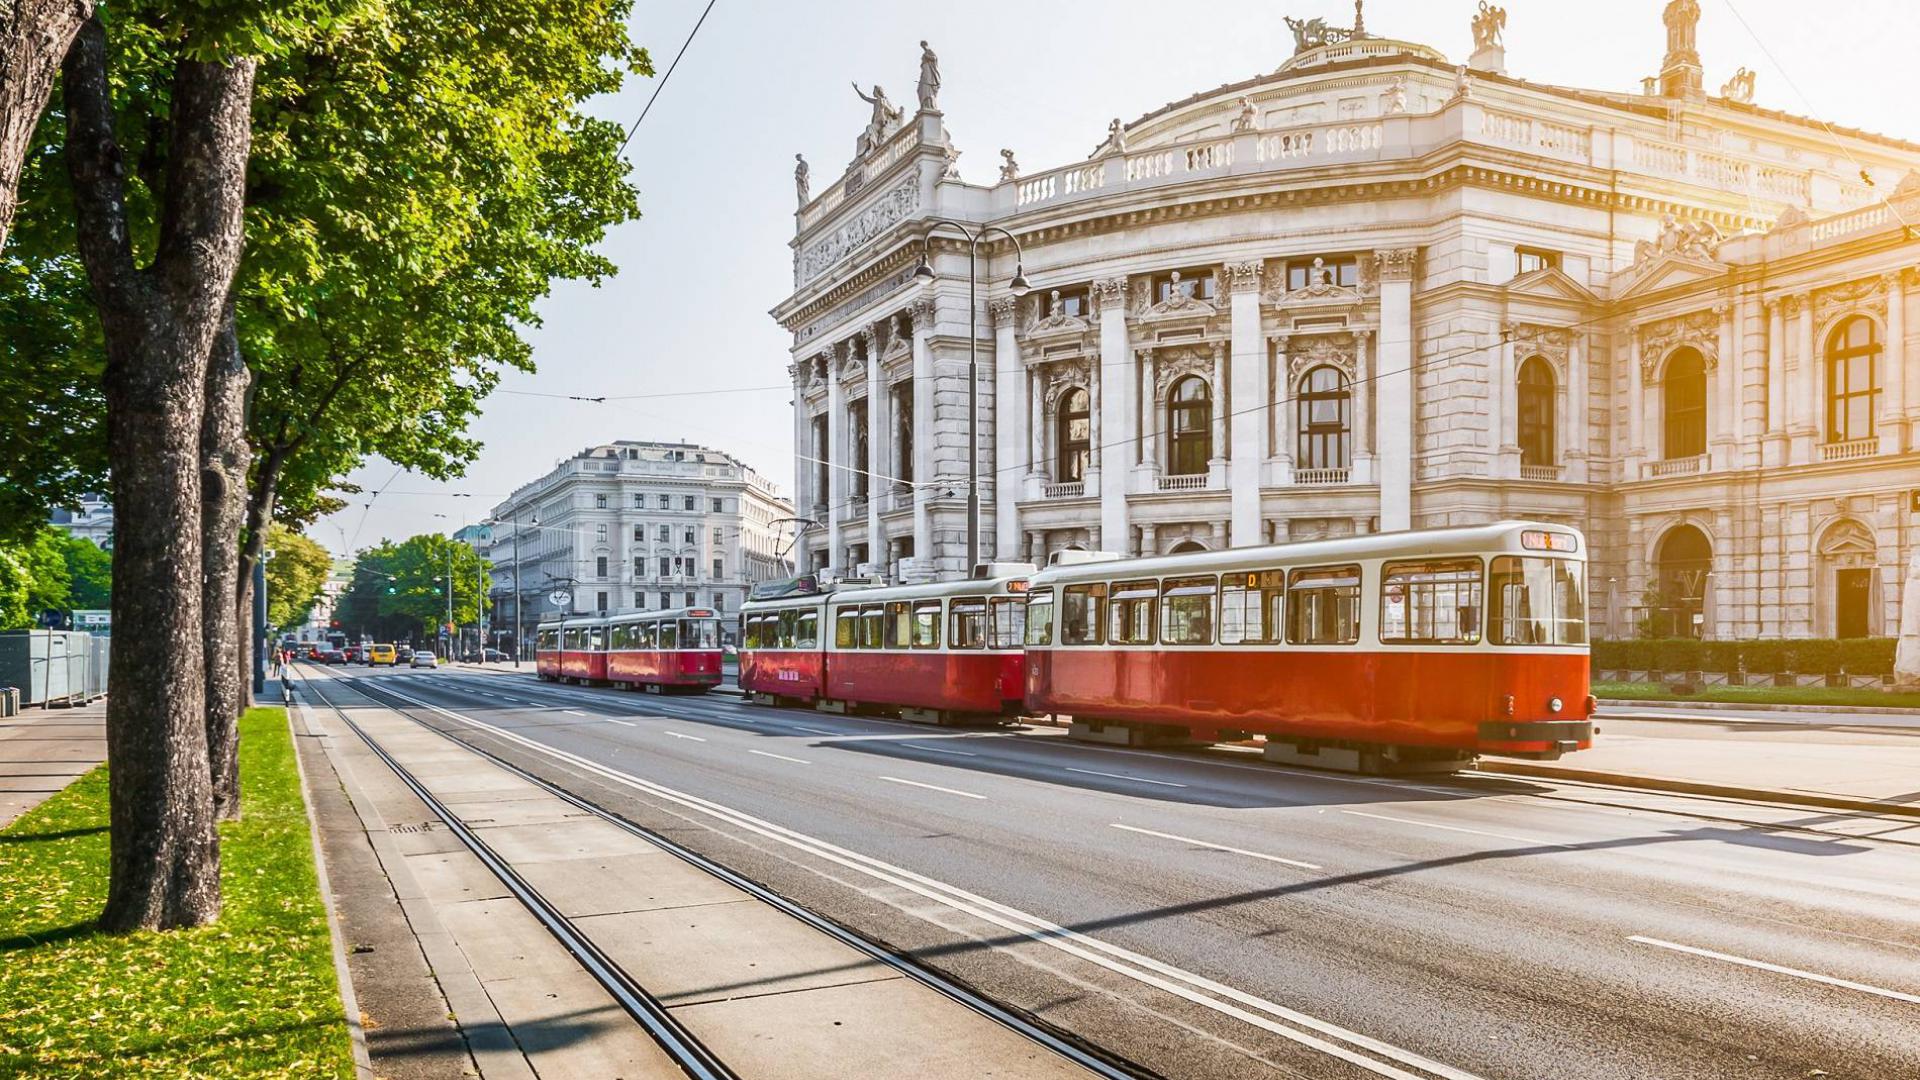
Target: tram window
1132 611
647 634
1323 606
788 621
1434 600
1537 602
846 628
1008 625
669 635
926 624
750 632
967 623
569 639
699 634
1252 607
597 638
1083 614
898 630
873 625
806 632
1186 611
1040 618
616 637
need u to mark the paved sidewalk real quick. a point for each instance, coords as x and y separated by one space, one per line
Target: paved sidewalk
1839 767
44 750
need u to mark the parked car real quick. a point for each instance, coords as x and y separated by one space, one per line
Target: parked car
424 659
381 654
333 656
494 656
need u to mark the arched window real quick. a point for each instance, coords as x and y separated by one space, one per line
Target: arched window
1073 436
1853 361
1682 563
1536 408
1323 408
1189 427
1186 547
1683 399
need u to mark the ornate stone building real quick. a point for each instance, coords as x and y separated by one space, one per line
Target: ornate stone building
1375 290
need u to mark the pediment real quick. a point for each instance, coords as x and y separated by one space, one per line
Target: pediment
1550 283
1668 271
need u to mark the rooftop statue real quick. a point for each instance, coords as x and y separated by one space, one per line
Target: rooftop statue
1116 139
1248 118
1313 33
1488 25
1688 239
1740 87
886 116
1009 168
929 79
800 174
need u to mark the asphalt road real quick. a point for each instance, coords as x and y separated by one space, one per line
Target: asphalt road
1210 916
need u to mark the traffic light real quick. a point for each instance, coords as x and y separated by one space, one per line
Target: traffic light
391 590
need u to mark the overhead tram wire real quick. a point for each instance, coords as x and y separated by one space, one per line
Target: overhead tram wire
662 84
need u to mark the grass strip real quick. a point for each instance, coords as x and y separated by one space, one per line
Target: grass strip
1761 695
253 995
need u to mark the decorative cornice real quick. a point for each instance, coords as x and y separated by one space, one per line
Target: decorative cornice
1866 294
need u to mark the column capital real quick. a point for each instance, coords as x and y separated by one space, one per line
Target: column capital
1002 310
921 309
1396 264
1243 277
1110 292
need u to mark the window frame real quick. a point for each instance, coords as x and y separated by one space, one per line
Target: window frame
1011 636
1323 444
1073 455
1498 621
1686 421
1205 586
962 610
1472 624
846 628
1297 592
1189 427
1254 583
927 616
1038 600
1840 392
1095 593
1536 408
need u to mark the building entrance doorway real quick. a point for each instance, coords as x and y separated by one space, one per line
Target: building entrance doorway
1852 596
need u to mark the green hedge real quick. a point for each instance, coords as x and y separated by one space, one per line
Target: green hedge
1804 656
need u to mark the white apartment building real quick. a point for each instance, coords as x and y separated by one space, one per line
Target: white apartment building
91 520
1377 290
637 526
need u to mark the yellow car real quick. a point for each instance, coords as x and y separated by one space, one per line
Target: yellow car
381 654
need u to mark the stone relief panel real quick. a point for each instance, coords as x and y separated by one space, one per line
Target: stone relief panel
1658 340
1551 342
1304 353
1173 363
882 214
1866 295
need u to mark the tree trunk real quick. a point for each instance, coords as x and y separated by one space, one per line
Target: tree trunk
223 461
159 325
34 36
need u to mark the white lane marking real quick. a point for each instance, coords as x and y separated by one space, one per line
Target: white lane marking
782 757
1456 828
678 735
1120 776
573 712
815 730
938 749
1778 969
622 723
1162 976
934 787
1220 847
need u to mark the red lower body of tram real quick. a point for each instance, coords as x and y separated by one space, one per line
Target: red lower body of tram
784 673
959 683
691 668
1471 702
546 664
581 665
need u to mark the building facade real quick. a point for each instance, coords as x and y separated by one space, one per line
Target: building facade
91 520
637 526
1376 290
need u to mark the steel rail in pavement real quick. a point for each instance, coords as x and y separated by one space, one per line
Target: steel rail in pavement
680 1044
1094 1059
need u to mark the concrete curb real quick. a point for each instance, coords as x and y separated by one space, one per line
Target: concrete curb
1650 703
356 1033
1691 787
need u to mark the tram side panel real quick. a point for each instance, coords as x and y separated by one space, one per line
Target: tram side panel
976 682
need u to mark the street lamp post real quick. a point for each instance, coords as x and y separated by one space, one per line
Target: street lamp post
1018 287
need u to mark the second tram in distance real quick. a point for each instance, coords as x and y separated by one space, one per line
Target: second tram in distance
1390 652
654 650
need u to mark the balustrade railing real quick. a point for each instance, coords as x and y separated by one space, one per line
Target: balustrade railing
1318 477
1187 482
1686 466
1539 472
1871 217
1072 489
1851 450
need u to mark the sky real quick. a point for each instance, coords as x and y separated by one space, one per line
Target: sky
765 79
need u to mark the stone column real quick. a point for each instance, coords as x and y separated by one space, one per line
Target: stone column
802 450
1147 416
922 311
1249 390
1636 406
836 455
1725 414
1116 446
1036 425
879 485
1893 398
1909 359
1364 366
1578 389
1395 385
1286 410
1009 426
1223 400
1773 453
1806 391
1503 426
1149 544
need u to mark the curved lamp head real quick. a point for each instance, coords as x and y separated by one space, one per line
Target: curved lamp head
923 272
1019 286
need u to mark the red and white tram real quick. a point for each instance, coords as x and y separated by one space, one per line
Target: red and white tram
677 649
943 653
1408 651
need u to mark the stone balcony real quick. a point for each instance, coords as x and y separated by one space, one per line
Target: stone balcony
1542 473
1682 466
1851 450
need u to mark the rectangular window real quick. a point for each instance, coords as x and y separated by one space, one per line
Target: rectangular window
618 637
597 638
1531 259
899 628
1537 602
967 623
1007 626
719 601
686 503
686 536
719 569
691 600
639 571
1195 284
1040 618
599 502
1323 606
1133 603
1252 607
600 566
663 573
926 624
665 534
665 600
639 534
873 620
808 630
1083 614
669 634
789 622
1343 271
715 504
639 502
639 598
602 598
648 636
699 634
716 538
666 502
846 628
1186 610
600 530
1434 601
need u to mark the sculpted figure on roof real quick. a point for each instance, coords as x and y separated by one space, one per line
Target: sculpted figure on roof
1488 25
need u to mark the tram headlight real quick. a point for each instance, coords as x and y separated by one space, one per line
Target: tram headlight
1554 705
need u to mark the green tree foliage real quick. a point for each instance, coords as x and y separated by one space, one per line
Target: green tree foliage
296 572
14 582
399 592
89 573
51 570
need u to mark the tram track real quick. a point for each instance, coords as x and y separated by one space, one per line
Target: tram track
686 1050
